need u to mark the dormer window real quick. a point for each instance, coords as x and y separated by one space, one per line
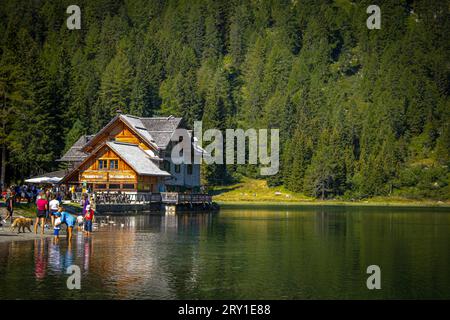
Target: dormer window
102 164
113 164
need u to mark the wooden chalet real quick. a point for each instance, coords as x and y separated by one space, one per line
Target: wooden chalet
131 154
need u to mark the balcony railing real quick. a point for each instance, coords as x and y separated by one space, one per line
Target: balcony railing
148 198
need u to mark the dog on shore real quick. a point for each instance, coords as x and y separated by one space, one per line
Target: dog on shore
22 223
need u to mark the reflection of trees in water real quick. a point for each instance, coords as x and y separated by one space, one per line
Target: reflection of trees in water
286 253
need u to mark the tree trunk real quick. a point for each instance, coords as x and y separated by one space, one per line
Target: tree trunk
3 169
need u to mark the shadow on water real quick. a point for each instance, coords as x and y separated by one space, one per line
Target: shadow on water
252 253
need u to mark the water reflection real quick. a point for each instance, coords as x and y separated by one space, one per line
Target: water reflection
248 253
54 257
40 259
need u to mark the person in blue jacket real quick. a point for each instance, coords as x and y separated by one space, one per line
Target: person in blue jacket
69 220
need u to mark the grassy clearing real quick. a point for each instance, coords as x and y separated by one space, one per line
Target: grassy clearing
257 191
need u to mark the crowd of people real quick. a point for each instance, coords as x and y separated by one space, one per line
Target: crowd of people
50 212
29 193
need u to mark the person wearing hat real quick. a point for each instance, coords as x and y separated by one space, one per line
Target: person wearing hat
88 218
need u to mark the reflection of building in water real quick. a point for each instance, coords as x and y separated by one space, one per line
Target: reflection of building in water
191 223
194 223
145 253
127 260
169 223
149 251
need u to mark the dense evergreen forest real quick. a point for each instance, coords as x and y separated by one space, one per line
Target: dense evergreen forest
361 112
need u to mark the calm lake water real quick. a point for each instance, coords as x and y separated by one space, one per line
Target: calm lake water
282 252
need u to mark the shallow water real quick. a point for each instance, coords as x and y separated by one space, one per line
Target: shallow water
263 252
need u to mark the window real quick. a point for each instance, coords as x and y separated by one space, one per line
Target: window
128 186
100 186
113 164
189 169
177 168
114 186
166 165
102 164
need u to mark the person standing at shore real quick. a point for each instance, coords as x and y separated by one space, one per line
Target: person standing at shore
85 202
80 222
69 220
48 197
56 225
54 205
9 205
88 217
42 207
72 192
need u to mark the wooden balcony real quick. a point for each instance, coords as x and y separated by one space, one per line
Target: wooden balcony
174 198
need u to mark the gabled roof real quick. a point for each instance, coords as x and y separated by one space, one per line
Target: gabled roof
136 158
74 154
155 131
139 160
136 124
159 129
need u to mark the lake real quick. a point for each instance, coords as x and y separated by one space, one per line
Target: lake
242 252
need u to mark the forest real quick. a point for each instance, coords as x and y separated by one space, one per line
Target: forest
361 112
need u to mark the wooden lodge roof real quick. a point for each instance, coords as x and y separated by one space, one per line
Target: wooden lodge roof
136 158
139 160
161 129
75 154
156 131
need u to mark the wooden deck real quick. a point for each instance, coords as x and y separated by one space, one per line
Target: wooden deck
172 198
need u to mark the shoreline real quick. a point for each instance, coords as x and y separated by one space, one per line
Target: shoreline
6 235
332 203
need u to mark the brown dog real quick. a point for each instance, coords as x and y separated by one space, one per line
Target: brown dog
22 223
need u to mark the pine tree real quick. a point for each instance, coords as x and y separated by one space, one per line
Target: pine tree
74 134
115 90
13 94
